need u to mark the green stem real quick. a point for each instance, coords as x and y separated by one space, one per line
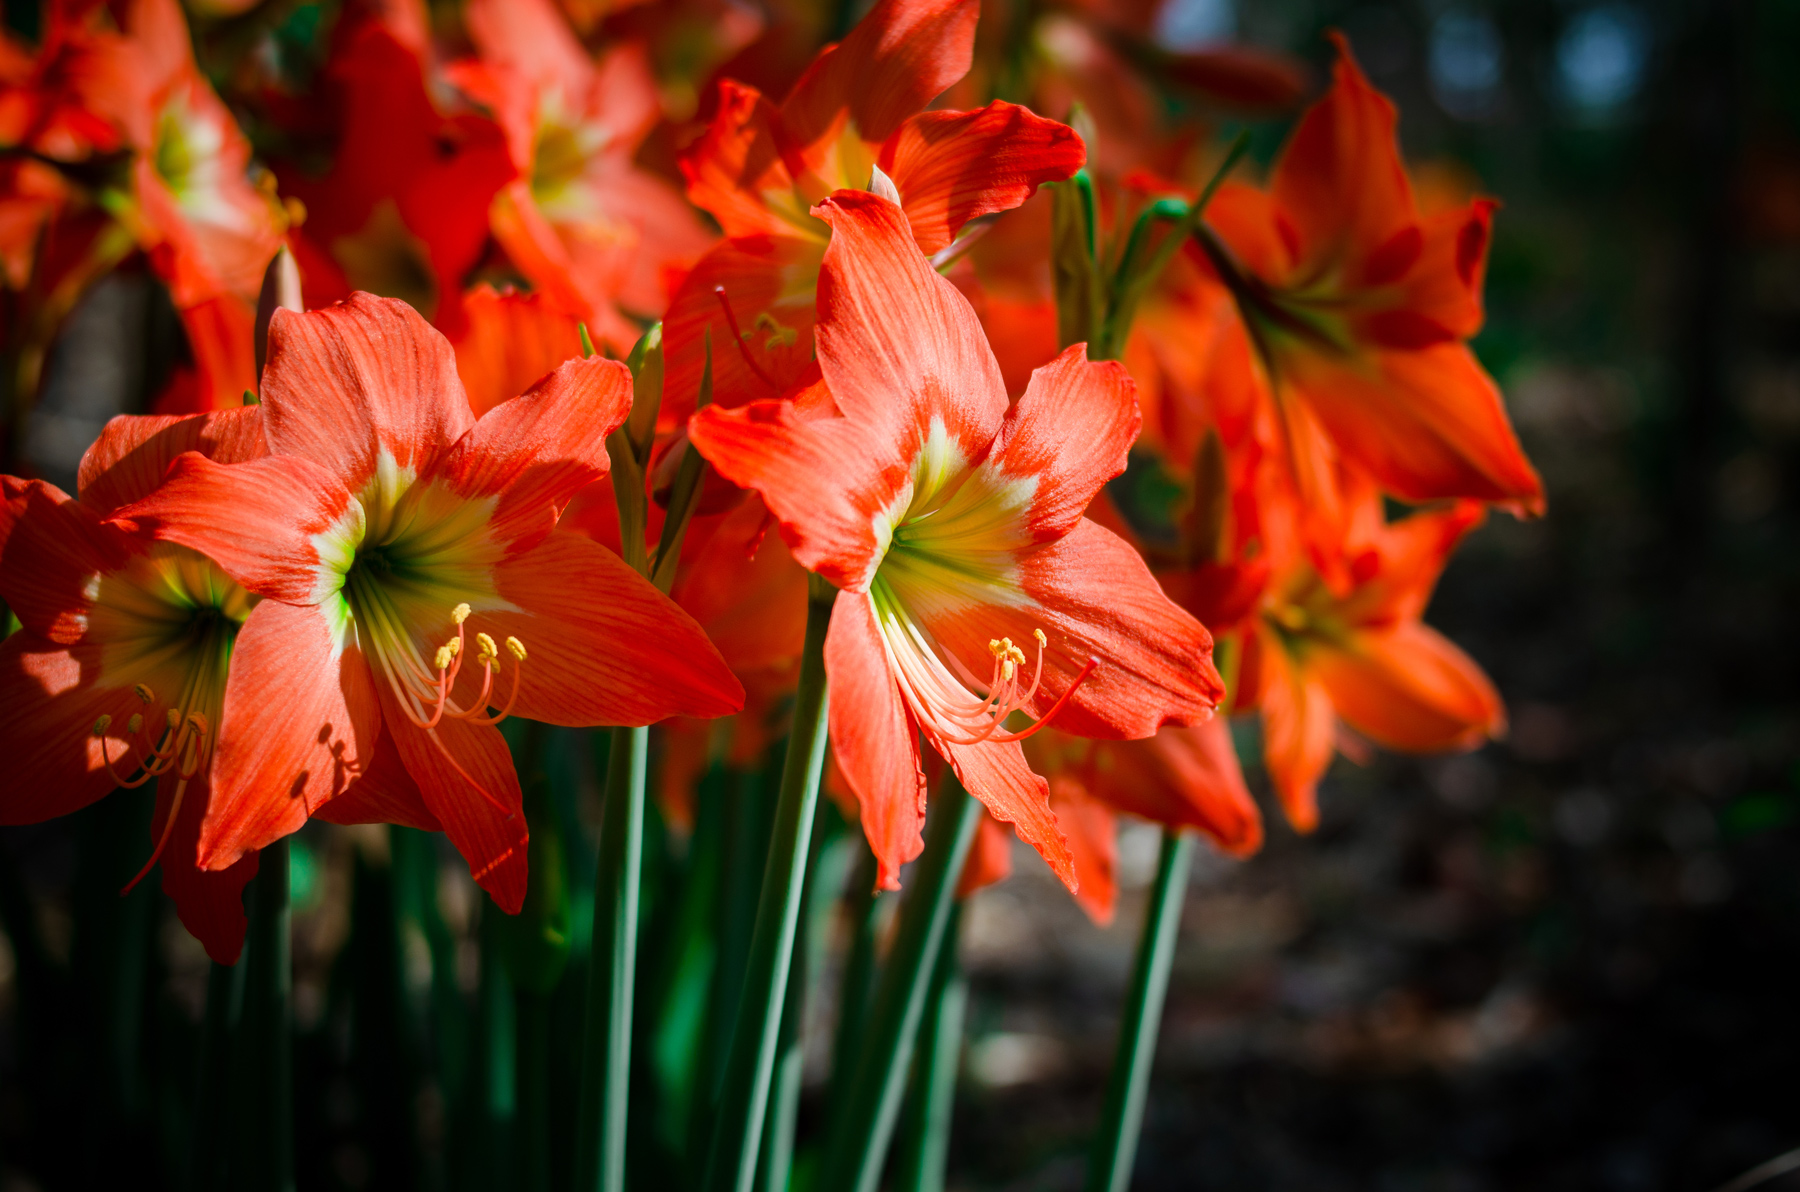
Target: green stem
859 971
926 1146
777 1158
267 1033
1122 1115
496 1051
865 1122
750 1061
212 1133
612 970
532 1014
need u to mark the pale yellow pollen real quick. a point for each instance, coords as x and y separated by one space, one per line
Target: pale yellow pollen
489 653
144 693
1006 669
459 614
517 647
444 656
1042 641
174 720
102 724
131 726
198 720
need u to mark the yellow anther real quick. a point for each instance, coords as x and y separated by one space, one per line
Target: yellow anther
102 724
444 655
998 646
174 720
1042 641
133 725
1291 618
199 722
517 647
488 651
1006 669
144 693
459 614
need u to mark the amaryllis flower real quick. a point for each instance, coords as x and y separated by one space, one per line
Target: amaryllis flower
207 225
1315 656
1359 305
119 673
759 168
413 579
971 587
581 220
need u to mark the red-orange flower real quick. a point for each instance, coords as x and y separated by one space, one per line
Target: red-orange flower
581 220
1360 305
119 671
971 586
760 168
1363 656
412 580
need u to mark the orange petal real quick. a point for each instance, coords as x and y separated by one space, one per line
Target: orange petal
1094 841
998 775
900 57
509 341
1410 688
384 793
873 738
466 776
133 453
300 723
1298 731
952 167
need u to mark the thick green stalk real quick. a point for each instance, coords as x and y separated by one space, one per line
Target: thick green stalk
532 1014
750 1061
267 1034
864 1125
1122 1115
925 1147
860 904
612 970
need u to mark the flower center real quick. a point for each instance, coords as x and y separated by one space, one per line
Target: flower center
184 745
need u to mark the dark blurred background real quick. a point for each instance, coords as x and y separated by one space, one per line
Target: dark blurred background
1567 961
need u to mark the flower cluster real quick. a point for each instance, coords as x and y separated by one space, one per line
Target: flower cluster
1089 441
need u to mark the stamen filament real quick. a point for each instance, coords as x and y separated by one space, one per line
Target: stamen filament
737 336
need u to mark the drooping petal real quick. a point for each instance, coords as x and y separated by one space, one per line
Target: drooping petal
209 902
49 701
51 548
990 857
534 452
133 453
530 38
1408 687
952 167
1092 596
1093 837
384 793
1299 731
1427 422
1071 431
998 775
466 774
300 724
603 645
283 527
899 346
358 383
873 738
1186 776
900 57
